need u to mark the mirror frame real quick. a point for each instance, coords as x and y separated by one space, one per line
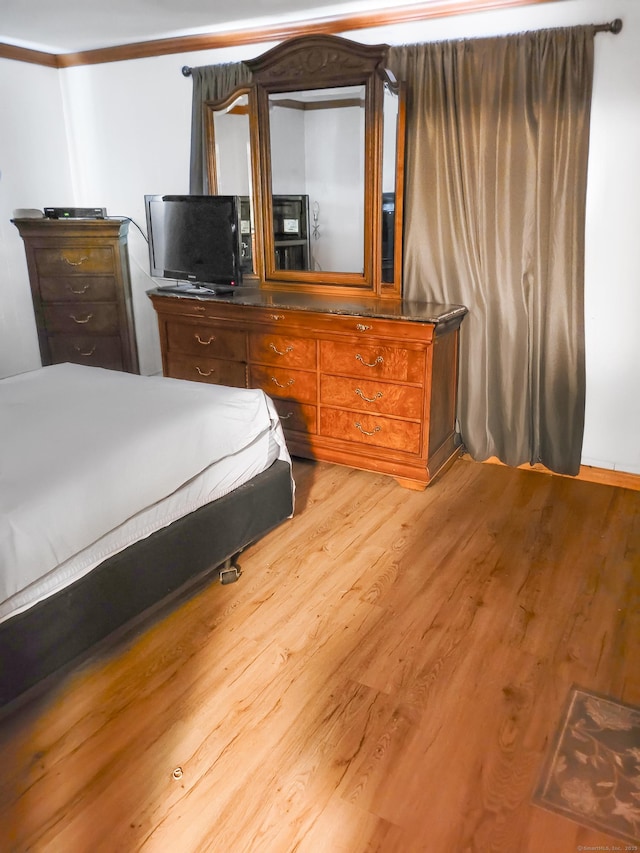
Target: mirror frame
321 62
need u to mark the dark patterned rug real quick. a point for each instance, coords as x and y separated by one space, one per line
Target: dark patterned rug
592 775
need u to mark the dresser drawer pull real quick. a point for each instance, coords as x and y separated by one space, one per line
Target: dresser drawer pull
279 352
378 360
286 417
358 425
77 263
205 372
362 328
204 343
378 396
78 292
80 320
276 316
82 352
275 381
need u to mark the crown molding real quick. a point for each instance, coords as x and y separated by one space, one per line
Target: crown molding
23 54
278 32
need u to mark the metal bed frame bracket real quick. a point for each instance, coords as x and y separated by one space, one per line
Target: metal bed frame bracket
229 571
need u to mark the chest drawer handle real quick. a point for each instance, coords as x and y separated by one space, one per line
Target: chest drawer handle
361 394
82 352
276 316
362 328
279 352
77 263
286 417
275 381
204 343
358 425
80 320
379 360
78 292
205 372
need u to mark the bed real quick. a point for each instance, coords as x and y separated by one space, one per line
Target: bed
116 490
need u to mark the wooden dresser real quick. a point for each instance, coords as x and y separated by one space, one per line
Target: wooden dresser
81 290
366 383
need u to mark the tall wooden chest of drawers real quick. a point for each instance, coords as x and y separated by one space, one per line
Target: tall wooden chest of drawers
81 291
370 384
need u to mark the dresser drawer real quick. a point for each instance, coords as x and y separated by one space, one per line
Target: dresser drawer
297 416
297 385
78 288
367 395
365 328
283 350
99 317
97 350
371 430
209 341
374 360
271 318
76 259
217 371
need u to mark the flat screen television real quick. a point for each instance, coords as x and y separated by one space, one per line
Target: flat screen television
195 239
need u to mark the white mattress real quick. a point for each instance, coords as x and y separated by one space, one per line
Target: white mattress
92 460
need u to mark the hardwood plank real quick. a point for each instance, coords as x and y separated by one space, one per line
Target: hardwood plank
386 676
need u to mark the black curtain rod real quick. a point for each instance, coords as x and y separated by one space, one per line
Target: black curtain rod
612 27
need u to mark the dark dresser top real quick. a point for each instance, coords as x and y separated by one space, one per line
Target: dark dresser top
388 309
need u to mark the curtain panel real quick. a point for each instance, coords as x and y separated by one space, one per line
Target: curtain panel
496 169
210 83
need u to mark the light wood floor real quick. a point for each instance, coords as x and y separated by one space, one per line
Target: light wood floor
386 676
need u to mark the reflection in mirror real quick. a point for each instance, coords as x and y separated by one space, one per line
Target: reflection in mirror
389 150
230 165
317 144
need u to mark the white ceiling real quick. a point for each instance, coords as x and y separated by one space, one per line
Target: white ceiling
67 26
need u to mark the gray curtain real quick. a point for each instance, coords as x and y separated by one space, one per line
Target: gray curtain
497 145
210 83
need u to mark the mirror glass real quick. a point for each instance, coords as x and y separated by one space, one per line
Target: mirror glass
317 147
390 113
230 165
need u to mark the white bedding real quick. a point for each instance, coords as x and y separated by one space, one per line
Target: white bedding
92 459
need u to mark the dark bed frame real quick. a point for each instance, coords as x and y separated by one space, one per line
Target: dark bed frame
60 630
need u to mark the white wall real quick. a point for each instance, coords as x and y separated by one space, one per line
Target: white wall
34 171
129 122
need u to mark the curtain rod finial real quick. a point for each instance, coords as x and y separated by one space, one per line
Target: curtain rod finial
616 26
186 71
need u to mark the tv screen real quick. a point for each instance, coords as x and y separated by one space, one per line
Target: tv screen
194 238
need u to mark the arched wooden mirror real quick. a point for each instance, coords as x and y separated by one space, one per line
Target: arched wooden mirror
329 164
323 183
